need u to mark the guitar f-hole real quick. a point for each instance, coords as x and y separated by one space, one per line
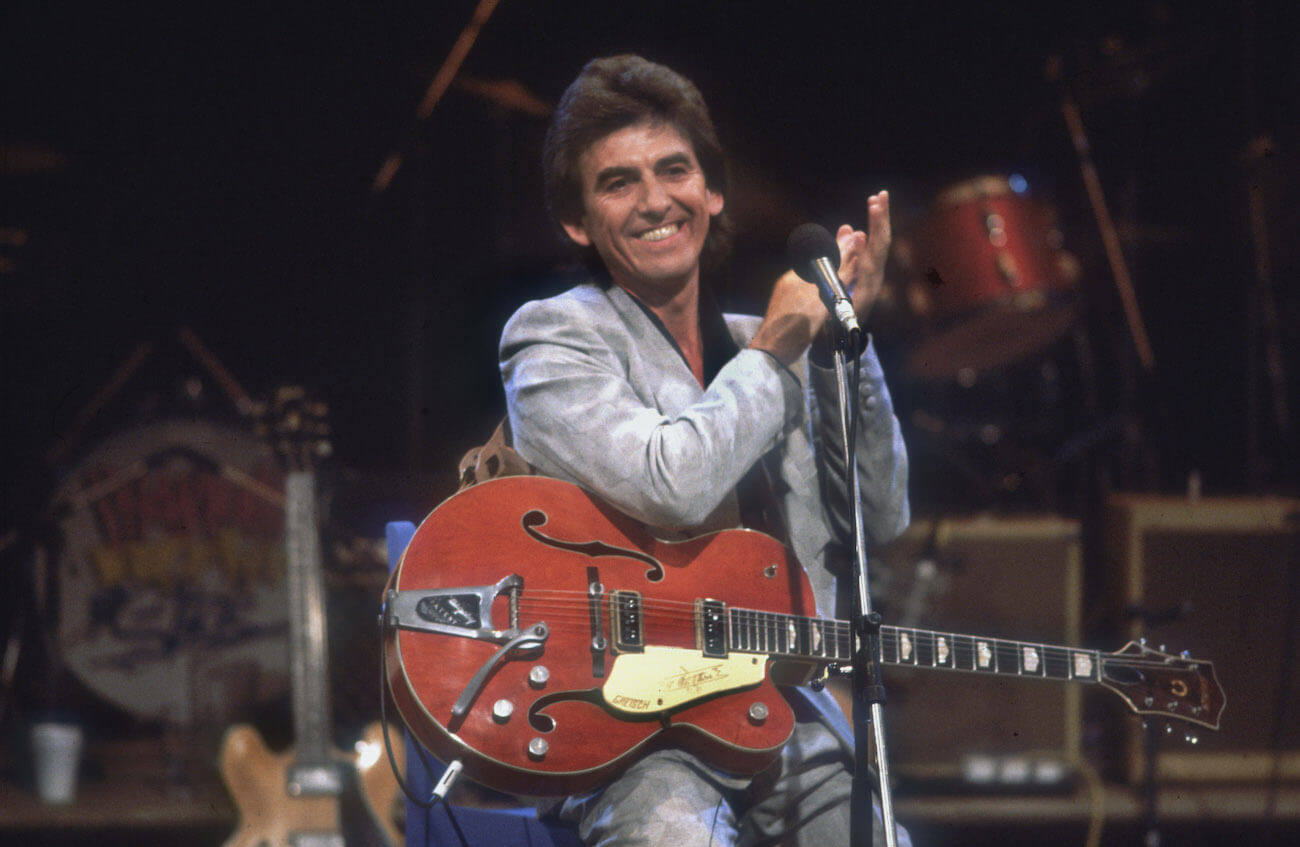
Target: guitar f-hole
545 723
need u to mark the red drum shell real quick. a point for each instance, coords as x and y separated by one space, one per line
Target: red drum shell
990 282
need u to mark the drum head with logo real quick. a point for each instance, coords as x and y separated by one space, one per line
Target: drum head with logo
171 580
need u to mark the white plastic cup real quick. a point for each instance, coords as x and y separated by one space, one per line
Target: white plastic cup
56 749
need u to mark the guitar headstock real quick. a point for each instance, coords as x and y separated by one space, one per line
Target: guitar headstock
297 426
1156 683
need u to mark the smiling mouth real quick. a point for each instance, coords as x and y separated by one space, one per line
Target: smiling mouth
660 233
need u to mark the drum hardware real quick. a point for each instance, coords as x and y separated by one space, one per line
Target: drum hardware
71 437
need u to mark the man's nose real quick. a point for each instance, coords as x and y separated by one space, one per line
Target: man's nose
655 201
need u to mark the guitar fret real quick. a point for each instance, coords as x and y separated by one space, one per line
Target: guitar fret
888 643
1056 663
963 649
942 650
1031 659
906 647
924 648
1006 657
843 641
1083 665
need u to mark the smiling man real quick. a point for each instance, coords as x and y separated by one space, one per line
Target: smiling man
638 388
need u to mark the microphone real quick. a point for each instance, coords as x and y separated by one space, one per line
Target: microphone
814 255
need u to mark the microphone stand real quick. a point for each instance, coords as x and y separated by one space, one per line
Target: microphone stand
868 689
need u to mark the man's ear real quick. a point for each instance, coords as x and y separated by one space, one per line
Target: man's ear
715 203
577 232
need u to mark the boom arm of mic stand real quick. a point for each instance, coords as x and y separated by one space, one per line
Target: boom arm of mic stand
868 690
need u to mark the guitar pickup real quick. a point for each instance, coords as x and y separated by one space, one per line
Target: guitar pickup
711 616
314 781
626 621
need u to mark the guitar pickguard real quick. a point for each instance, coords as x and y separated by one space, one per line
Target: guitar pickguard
663 678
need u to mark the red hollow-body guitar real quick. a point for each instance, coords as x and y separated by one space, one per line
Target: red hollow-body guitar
547 641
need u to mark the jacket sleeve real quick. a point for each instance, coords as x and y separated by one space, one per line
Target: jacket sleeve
577 391
880 454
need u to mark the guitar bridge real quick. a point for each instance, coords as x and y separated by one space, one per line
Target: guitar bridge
464 612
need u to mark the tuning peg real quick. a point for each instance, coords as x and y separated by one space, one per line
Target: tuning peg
1162 649
1169 729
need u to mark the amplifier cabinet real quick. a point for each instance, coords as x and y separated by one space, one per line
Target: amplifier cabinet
1216 577
1014 578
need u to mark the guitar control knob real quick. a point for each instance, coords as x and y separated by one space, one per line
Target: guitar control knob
502 710
539 676
758 713
1191 737
538 748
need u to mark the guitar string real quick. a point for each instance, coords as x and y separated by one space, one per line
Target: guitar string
574 606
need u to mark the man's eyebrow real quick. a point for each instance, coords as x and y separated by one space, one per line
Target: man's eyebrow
673 159
615 172
628 172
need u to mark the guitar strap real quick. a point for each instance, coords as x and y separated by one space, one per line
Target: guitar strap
495 458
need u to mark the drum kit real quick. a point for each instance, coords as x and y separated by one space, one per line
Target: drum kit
987 291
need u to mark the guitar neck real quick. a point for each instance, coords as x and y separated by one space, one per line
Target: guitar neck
309 667
831 641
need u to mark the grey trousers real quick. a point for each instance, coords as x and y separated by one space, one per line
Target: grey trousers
672 799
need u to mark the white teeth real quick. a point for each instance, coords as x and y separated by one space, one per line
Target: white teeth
659 234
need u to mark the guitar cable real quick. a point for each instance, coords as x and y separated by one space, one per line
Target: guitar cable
452 770
443 783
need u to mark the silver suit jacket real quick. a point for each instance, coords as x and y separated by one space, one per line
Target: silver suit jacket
599 395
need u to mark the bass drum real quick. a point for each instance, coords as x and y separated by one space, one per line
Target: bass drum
170 591
989 282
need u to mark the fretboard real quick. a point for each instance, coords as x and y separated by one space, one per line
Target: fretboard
309 669
823 640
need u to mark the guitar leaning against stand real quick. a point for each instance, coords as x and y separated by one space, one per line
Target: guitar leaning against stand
313 795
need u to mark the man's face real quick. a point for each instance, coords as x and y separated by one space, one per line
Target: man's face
646 208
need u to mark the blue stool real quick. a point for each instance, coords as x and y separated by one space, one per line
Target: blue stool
445 824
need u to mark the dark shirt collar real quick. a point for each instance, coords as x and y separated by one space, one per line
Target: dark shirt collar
719 346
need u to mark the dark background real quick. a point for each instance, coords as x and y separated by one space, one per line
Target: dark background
210 166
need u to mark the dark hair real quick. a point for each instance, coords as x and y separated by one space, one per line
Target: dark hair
614 93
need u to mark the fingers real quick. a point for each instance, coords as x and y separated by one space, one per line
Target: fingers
878 222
